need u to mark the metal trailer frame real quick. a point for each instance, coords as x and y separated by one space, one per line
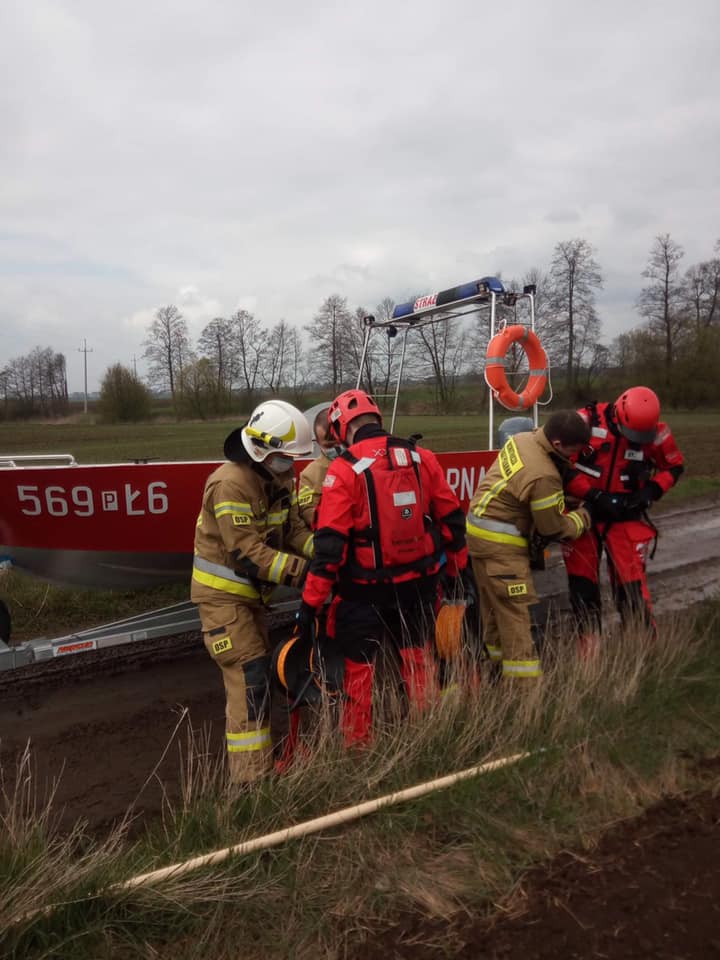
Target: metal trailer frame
151 625
485 298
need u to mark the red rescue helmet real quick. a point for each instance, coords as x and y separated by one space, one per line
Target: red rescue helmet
346 408
637 412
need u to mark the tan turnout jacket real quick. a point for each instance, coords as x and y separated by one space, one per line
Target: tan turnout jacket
310 488
521 492
245 527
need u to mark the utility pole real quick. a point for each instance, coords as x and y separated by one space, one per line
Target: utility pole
85 350
135 366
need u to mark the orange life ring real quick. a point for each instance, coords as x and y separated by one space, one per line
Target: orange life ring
495 367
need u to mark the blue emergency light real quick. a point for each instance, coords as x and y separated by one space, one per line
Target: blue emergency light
464 291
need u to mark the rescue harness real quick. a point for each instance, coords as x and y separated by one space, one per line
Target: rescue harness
399 539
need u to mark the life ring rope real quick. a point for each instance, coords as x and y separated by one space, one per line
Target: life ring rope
496 362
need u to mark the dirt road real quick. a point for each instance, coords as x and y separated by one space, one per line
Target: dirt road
101 724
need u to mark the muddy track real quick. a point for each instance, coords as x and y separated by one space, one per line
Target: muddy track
99 722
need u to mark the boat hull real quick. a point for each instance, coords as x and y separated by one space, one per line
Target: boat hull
128 526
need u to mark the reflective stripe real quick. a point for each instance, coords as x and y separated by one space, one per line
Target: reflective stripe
450 688
363 464
277 519
497 526
305 496
232 506
309 546
577 520
478 529
495 653
544 503
253 740
218 577
277 567
226 586
484 501
522 668
588 470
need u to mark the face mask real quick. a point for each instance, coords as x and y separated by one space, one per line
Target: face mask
278 464
333 452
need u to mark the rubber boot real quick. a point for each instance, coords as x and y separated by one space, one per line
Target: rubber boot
588 647
289 745
356 709
418 675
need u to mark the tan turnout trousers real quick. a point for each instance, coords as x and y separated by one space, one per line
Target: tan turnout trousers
506 593
236 637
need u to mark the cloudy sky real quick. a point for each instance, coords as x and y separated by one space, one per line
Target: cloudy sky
227 153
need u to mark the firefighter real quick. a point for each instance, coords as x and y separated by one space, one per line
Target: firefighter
521 496
630 462
385 518
249 538
312 477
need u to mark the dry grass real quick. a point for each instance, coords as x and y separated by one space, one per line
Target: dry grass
606 737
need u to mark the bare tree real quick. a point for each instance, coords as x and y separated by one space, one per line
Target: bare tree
328 338
201 395
702 282
661 301
277 356
354 342
167 348
216 345
386 348
297 374
572 322
36 384
250 344
441 355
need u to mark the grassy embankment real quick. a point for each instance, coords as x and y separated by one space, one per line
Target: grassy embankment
42 610
607 739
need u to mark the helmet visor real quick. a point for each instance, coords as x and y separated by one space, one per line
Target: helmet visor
637 436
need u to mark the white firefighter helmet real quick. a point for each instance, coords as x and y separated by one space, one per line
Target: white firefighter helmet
276 427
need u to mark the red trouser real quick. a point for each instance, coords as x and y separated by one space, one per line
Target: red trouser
626 544
359 628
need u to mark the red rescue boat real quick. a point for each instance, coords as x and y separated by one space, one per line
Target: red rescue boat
124 525
131 525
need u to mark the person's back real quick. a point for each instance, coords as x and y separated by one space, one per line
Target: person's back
521 495
521 492
385 516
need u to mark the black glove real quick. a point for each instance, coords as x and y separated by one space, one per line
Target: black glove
305 619
643 498
469 585
604 507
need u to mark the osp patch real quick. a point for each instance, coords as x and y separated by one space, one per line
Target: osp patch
517 589
221 645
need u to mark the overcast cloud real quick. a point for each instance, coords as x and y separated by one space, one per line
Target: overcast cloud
231 154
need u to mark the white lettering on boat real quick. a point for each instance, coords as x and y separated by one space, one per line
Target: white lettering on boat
463 481
80 501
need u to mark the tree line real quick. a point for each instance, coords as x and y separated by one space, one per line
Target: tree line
236 360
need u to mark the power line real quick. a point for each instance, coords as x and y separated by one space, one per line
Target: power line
85 350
